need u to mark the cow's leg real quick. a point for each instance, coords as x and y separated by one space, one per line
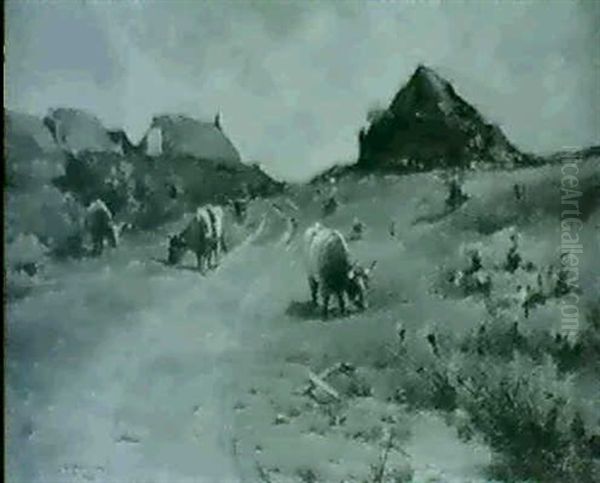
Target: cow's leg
341 302
325 296
112 236
217 253
314 290
223 245
98 245
206 257
199 262
210 255
214 256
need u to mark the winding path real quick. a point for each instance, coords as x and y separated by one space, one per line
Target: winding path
126 370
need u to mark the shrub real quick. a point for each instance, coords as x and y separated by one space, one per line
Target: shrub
500 337
522 407
511 387
25 253
25 258
54 218
153 203
105 176
525 412
27 174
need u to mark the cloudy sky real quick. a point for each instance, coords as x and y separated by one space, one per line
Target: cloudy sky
294 80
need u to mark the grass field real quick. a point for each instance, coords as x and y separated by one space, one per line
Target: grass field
122 369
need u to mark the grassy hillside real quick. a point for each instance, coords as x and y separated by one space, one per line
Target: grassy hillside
142 371
394 381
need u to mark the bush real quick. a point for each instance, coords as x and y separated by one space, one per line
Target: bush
153 203
500 337
509 386
18 284
25 259
104 176
25 253
54 218
24 174
525 413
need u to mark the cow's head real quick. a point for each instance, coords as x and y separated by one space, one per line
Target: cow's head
176 249
358 284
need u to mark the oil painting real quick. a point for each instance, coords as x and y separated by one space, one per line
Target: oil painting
302 241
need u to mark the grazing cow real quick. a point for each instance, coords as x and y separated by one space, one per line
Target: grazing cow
100 227
203 236
330 270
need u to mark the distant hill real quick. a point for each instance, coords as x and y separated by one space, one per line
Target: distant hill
428 125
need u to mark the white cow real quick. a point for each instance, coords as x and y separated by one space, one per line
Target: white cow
330 270
203 236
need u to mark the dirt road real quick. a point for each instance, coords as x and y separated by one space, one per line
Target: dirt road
126 370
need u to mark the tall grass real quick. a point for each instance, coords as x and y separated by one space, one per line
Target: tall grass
525 412
516 391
